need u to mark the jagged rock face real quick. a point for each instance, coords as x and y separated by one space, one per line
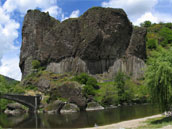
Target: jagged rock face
132 63
137 46
90 43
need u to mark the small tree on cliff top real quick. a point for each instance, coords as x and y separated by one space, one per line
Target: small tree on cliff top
159 77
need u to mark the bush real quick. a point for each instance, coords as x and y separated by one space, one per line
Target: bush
120 84
92 82
89 82
166 36
36 64
81 78
89 90
107 95
152 43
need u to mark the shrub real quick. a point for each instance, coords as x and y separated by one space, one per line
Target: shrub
81 78
120 84
89 82
152 43
36 64
89 90
107 95
92 82
166 36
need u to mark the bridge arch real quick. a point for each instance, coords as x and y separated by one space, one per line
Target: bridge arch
32 102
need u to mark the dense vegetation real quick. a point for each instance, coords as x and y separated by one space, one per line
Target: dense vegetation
8 86
159 63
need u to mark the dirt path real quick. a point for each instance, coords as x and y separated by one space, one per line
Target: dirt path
126 124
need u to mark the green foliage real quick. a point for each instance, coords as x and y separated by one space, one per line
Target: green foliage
120 84
107 94
36 64
89 90
123 89
31 87
158 77
81 78
146 24
156 123
8 86
89 82
152 43
168 25
166 36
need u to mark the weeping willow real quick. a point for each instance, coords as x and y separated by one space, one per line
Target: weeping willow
158 77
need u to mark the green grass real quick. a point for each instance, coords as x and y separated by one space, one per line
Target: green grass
155 123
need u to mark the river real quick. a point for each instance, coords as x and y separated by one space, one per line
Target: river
78 120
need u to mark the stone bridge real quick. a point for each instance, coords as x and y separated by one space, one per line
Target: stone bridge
32 102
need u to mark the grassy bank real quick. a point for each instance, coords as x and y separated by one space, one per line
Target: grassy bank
155 123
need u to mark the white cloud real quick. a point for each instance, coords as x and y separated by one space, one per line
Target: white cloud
10 66
54 11
154 18
141 10
74 14
147 16
8 33
23 5
134 8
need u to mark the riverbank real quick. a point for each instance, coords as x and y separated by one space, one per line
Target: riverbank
128 124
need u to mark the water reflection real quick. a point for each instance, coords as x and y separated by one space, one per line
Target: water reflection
78 120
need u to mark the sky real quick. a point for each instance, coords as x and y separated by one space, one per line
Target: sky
12 14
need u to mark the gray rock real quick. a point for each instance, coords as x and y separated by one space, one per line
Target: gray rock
13 106
54 108
69 108
15 112
71 91
94 106
131 65
14 109
90 43
137 46
111 106
43 84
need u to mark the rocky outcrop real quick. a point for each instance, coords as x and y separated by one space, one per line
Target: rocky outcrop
137 46
54 107
14 109
69 108
97 42
72 92
91 106
91 43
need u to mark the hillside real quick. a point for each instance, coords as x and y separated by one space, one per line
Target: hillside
158 35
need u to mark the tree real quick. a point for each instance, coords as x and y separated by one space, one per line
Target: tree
146 24
120 84
166 36
158 77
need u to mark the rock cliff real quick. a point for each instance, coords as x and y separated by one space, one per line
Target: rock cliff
101 41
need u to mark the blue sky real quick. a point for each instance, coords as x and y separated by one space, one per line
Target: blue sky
12 14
